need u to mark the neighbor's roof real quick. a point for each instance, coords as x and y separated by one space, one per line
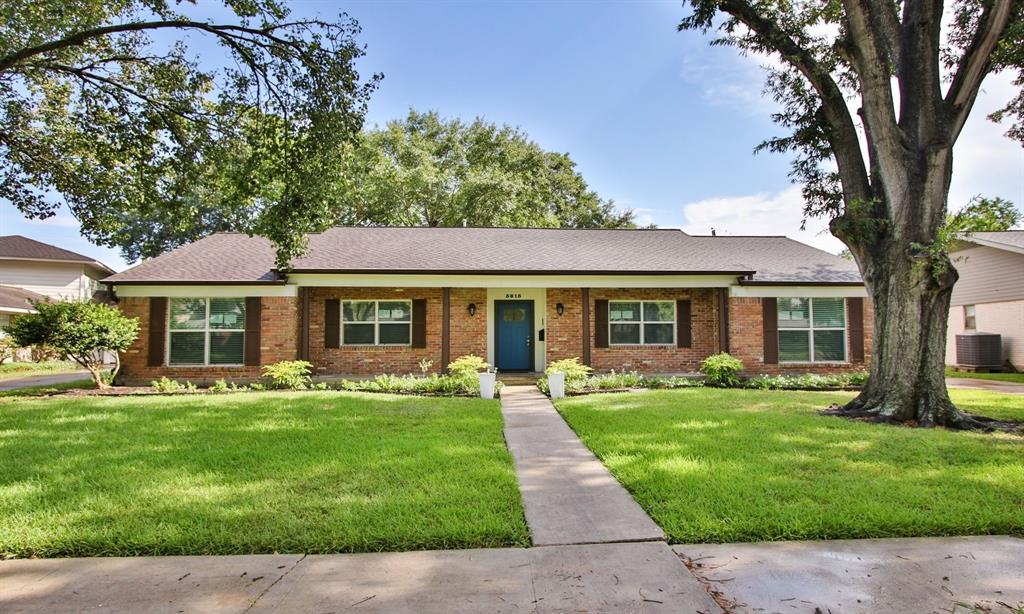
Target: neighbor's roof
17 298
238 258
17 247
1009 240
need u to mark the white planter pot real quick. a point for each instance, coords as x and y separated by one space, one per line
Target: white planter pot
486 385
556 385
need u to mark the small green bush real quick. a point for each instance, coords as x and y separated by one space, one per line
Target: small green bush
289 374
164 384
573 369
450 385
220 386
468 366
807 381
722 370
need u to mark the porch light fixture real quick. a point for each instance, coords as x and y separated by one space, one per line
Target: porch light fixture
472 309
560 308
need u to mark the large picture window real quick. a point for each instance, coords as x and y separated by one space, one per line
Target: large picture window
206 331
812 329
376 322
641 322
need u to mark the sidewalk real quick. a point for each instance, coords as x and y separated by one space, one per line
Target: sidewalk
985 384
43 380
568 495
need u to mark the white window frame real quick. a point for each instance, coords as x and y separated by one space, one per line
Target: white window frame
376 322
973 315
206 330
641 322
810 331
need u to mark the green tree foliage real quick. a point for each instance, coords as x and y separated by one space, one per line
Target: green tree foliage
874 94
425 170
83 331
984 215
104 108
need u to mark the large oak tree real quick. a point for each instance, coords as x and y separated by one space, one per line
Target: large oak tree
876 93
115 109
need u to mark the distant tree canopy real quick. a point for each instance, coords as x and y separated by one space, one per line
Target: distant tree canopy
425 170
105 108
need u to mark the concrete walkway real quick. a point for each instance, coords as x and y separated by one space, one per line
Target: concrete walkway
641 577
568 495
941 574
43 380
985 384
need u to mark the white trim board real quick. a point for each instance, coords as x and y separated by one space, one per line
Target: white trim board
510 281
206 291
799 291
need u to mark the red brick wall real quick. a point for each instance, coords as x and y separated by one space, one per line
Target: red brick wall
278 341
468 333
565 341
373 360
563 337
747 344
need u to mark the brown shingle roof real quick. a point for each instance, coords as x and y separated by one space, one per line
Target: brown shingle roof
19 247
18 298
237 258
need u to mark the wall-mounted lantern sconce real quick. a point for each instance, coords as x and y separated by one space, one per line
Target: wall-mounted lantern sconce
560 308
472 309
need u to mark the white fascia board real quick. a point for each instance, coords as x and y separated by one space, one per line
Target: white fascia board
993 244
16 310
800 291
510 281
206 290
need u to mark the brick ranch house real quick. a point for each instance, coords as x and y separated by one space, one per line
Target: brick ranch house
366 301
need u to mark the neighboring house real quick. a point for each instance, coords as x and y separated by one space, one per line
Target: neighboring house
366 301
49 270
989 296
13 303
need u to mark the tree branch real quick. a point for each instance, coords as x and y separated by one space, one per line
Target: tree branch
842 132
219 30
976 63
885 21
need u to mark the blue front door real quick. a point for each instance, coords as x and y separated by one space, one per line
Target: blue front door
514 335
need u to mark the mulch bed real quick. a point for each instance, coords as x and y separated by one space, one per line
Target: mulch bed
974 422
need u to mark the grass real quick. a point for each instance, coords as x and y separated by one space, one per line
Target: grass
738 465
312 472
1017 378
15 370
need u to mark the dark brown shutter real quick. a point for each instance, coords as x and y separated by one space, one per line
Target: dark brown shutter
253 319
157 330
332 323
770 330
684 325
601 323
855 311
419 323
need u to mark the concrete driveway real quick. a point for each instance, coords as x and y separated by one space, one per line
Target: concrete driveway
985 384
43 380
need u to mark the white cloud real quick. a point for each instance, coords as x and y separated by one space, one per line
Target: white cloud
759 214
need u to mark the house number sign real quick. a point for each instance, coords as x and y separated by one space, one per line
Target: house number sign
513 295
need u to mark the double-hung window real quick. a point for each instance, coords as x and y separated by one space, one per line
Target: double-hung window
970 319
206 331
641 322
812 329
376 322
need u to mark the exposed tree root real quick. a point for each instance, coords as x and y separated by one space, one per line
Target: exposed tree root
962 422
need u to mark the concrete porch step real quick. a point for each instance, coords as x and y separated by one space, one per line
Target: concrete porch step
519 379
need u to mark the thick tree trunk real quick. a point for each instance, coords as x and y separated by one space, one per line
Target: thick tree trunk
910 281
907 381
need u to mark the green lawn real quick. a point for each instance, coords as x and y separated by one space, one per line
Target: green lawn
1017 378
740 465
15 370
253 473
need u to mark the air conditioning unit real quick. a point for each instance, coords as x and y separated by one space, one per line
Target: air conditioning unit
984 350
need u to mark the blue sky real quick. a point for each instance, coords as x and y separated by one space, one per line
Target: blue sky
655 119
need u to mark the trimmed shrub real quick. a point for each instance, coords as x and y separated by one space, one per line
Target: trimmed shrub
289 374
722 370
574 371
